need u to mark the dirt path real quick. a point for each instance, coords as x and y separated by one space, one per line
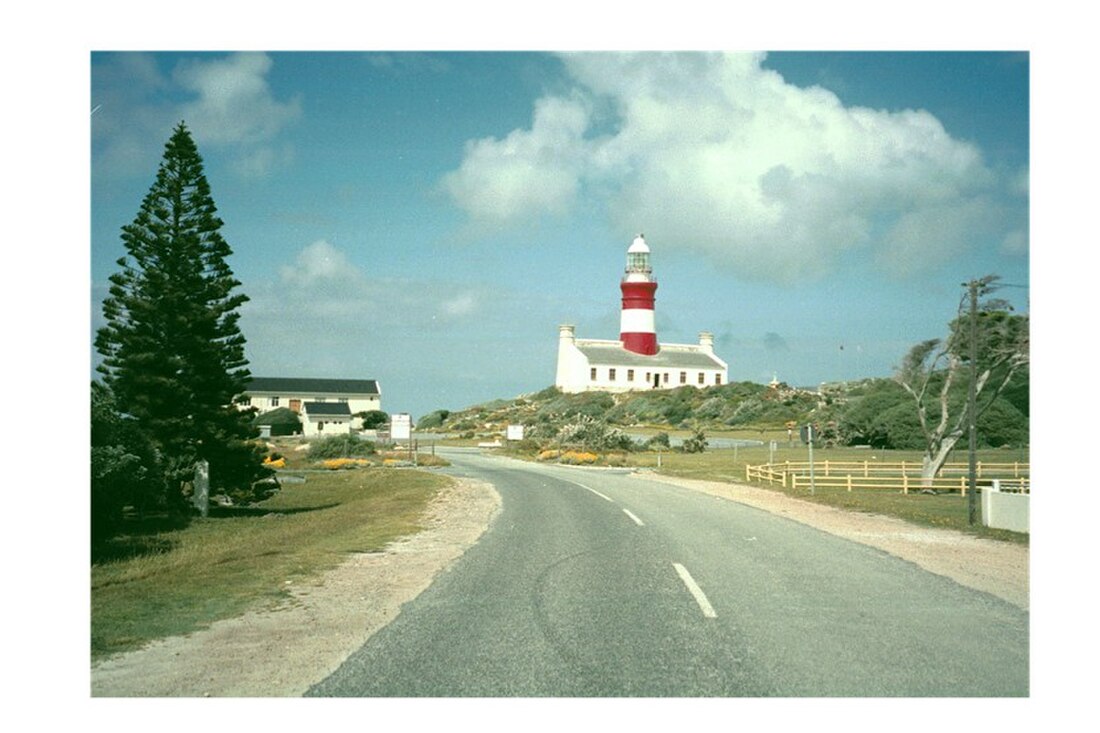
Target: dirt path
282 652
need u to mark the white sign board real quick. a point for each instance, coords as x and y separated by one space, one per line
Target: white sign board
515 432
400 426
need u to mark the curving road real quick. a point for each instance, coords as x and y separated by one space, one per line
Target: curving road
594 583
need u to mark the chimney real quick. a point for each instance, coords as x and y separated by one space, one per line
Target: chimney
706 341
567 333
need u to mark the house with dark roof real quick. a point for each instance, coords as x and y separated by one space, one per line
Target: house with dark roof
607 366
325 396
325 418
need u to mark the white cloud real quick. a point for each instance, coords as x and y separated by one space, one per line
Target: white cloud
227 103
529 171
325 291
713 153
233 101
319 262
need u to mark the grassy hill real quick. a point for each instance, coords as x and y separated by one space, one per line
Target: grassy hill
737 404
874 412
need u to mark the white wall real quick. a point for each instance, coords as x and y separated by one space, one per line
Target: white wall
262 402
1002 510
333 426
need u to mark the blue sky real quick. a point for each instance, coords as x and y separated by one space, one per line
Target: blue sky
428 219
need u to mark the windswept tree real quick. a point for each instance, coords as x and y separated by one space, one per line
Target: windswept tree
935 373
173 354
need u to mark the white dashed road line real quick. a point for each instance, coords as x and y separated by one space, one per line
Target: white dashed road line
605 498
630 514
695 590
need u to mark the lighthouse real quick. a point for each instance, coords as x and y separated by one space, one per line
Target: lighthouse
638 329
636 361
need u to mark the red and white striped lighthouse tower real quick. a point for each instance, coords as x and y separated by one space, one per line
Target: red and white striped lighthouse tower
638 331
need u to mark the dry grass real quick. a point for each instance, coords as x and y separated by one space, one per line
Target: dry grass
216 567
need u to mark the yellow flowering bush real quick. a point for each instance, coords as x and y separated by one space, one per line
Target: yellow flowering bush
335 464
275 462
549 455
578 458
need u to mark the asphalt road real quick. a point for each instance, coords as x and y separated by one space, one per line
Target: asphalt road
593 583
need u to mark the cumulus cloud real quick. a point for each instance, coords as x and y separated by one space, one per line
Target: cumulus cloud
716 154
324 290
536 170
232 100
225 101
319 262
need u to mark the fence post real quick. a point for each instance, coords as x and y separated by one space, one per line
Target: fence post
865 474
962 485
904 480
979 469
826 466
849 482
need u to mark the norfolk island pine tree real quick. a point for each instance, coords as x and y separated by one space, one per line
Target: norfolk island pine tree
173 352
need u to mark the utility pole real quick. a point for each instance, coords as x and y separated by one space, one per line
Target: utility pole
971 405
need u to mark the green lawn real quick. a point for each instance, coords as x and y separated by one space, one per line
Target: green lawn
943 510
182 579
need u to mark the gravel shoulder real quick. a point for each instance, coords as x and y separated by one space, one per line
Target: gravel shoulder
281 652
998 568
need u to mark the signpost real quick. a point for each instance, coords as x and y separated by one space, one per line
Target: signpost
401 426
807 434
515 432
401 429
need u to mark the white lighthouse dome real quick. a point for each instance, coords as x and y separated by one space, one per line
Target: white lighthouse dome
638 245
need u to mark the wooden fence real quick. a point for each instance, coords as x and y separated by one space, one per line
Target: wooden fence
903 476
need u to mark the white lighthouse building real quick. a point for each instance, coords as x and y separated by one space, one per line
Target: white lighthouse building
637 361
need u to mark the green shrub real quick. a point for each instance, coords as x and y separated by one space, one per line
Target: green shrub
1002 424
697 443
373 419
282 420
125 466
660 440
340 446
433 420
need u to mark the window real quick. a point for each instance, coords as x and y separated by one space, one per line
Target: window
717 378
630 375
592 374
702 377
274 401
683 377
666 377
611 374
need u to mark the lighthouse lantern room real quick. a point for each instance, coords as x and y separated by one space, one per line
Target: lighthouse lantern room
638 330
